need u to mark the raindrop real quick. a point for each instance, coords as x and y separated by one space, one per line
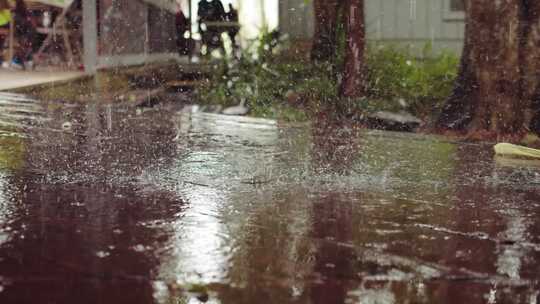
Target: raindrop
67 125
139 248
102 254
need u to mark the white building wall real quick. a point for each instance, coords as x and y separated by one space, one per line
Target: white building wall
411 23
296 19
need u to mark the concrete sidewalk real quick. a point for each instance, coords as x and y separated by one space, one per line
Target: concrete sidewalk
11 80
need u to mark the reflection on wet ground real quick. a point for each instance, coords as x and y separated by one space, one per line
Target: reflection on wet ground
112 204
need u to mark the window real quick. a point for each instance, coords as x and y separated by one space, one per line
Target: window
457 5
454 10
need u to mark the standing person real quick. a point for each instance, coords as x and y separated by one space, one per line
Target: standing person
5 19
203 16
218 11
25 32
182 26
209 12
217 15
232 30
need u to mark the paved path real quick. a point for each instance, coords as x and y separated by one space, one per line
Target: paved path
111 203
10 80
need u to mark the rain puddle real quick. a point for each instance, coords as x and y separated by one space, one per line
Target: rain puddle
116 204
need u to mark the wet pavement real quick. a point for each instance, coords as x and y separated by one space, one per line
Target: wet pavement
12 79
113 204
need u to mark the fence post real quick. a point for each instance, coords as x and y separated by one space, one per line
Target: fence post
90 37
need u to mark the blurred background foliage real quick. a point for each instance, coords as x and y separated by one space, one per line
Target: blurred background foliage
275 84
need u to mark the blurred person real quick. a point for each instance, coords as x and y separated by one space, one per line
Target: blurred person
203 14
218 10
25 33
208 12
182 26
74 20
232 31
5 19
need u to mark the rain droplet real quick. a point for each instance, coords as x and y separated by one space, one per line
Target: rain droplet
67 125
102 254
139 248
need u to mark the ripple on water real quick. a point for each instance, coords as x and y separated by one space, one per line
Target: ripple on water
254 210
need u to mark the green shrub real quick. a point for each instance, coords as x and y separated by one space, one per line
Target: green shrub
264 78
424 83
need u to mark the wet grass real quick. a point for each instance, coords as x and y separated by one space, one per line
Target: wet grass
12 151
73 91
276 86
106 85
279 87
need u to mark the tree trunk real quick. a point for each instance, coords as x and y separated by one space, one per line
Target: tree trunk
498 77
325 36
530 58
353 72
458 109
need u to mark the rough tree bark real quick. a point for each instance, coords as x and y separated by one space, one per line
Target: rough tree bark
530 58
325 36
353 72
498 77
